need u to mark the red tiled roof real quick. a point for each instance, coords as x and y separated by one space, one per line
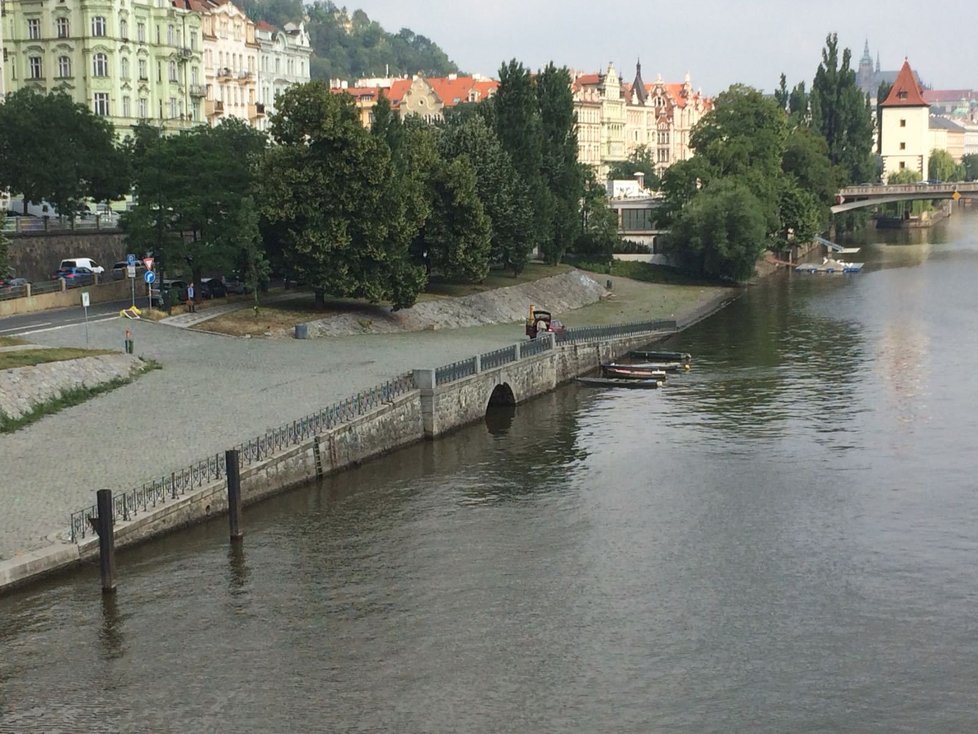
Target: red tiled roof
932 96
905 91
264 25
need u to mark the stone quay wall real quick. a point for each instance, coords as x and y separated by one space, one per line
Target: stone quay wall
36 256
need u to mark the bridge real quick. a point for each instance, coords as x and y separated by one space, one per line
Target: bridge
856 197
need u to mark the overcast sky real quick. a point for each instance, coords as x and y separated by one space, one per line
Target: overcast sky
718 42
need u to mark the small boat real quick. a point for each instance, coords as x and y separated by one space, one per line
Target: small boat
633 371
629 382
683 357
663 366
829 265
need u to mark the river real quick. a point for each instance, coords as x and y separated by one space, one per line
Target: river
783 539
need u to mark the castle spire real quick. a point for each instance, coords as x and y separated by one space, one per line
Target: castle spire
638 86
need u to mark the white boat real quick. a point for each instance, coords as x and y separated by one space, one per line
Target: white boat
829 265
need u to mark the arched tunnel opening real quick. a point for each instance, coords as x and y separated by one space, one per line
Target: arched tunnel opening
501 409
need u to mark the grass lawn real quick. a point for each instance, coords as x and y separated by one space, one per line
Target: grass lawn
29 357
10 341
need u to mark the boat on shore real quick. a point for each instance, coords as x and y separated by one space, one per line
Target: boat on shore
633 371
681 357
829 265
627 382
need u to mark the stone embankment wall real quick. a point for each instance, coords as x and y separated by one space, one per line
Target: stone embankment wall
22 388
37 256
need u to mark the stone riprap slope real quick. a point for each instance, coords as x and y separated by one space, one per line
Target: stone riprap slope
21 388
558 294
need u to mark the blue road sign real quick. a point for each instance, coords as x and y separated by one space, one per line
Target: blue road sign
130 259
149 276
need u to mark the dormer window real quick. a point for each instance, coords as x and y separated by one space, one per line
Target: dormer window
902 94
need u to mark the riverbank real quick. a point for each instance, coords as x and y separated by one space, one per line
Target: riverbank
215 392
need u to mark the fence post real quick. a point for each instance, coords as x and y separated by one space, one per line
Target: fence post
106 540
234 493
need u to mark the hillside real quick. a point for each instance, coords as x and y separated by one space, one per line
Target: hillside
349 46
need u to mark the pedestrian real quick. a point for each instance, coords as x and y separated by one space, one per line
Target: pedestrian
190 297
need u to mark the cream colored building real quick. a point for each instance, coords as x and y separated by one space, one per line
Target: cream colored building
127 61
230 62
614 118
947 134
905 139
283 60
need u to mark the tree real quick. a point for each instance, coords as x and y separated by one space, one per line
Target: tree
52 149
4 247
516 114
503 195
806 159
722 232
941 166
457 234
841 113
599 222
563 175
325 185
970 163
640 160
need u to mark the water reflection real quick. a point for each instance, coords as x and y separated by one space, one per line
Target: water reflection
112 640
499 419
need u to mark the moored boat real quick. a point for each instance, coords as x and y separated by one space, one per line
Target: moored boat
829 265
683 357
629 382
633 371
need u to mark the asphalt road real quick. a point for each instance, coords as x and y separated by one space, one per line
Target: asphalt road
31 323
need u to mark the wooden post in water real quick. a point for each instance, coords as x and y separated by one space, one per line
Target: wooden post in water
234 493
106 540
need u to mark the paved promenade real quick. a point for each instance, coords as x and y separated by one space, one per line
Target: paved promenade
213 393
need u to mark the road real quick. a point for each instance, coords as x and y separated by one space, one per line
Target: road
40 321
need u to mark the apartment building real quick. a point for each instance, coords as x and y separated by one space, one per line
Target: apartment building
128 61
614 118
283 60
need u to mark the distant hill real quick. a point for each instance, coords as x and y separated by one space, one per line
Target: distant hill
349 46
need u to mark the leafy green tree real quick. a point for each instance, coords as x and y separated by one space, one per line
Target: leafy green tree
502 193
563 175
56 150
680 183
970 163
806 159
325 186
841 113
941 166
599 222
722 232
457 234
640 160
519 128
905 176
802 215
4 247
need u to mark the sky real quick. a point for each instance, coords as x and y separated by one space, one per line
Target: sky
717 42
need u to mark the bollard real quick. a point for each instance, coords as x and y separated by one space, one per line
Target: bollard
234 493
106 540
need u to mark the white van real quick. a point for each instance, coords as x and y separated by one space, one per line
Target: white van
82 262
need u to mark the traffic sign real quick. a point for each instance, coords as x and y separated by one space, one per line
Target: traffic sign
955 196
150 277
130 259
131 270
148 262
85 300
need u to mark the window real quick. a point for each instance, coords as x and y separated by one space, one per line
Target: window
141 32
663 137
903 166
173 71
903 123
98 25
100 65
33 67
142 107
61 28
124 68
902 94
33 28
126 107
123 30
663 155
170 37
102 104
903 146
173 107
194 75
142 70
64 67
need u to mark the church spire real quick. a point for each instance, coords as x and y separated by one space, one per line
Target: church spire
638 86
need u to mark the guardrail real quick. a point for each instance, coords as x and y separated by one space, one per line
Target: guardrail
126 505
37 225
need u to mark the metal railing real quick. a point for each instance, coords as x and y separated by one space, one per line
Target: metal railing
35 225
498 358
595 333
127 505
455 371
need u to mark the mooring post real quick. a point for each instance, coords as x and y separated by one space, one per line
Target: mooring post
106 540
234 493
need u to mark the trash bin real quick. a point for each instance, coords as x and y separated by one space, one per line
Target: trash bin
302 331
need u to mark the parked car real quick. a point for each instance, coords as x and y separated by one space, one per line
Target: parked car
234 284
212 288
82 262
75 276
120 269
176 288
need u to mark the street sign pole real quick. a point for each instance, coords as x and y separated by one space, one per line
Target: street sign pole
85 306
149 276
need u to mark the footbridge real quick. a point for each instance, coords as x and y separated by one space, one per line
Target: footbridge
857 197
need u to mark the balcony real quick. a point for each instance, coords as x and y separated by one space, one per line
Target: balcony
244 76
213 107
256 111
197 90
224 72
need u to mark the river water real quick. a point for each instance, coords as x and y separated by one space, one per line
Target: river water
783 539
